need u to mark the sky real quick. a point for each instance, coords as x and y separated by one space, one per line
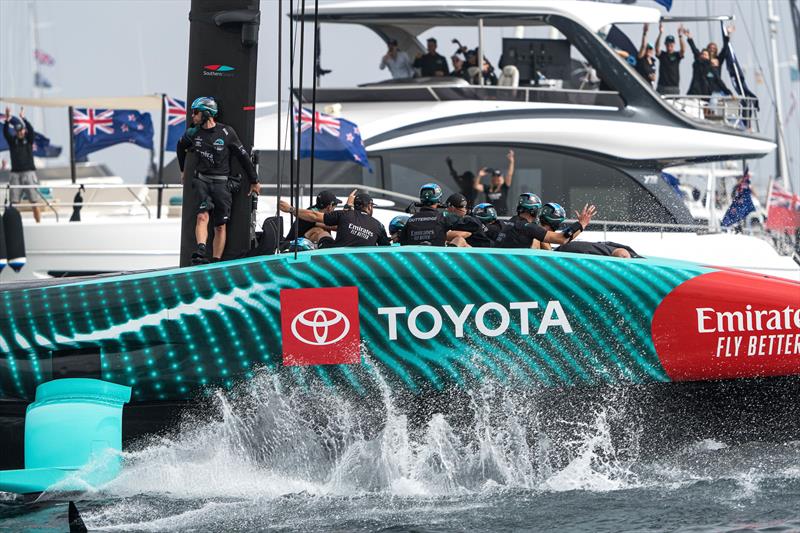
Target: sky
134 47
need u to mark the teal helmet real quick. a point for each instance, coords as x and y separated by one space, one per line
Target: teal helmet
553 215
398 223
430 194
301 244
529 203
485 212
206 105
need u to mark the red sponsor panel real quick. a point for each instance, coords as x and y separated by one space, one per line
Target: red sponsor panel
725 324
320 326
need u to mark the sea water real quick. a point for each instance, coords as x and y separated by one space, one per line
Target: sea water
263 458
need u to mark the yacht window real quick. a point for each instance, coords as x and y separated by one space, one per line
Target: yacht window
325 172
569 180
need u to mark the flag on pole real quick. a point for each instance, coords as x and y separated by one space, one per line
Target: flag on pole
95 129
176 122
40 81
336 139
673 182
41 144
43 58
742 204
783 209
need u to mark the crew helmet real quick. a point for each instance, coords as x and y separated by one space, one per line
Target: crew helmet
301 244
553 215
485 212
398 223
430 194
207 105
529 203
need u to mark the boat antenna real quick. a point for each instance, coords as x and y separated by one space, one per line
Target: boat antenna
299 124
291 113
314 82
278 137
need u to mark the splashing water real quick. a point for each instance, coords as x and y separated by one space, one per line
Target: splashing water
315 460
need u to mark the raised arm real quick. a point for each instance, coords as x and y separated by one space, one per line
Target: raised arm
563 237
681 33
695 51
510 171
658 38
6 126
303 214
643 46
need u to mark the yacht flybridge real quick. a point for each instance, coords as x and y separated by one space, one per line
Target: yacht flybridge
573 143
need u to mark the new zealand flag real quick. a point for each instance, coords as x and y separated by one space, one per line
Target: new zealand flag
95 129
336 139
742 203
176 122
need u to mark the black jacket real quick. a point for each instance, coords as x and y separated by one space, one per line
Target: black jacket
20 150
214 147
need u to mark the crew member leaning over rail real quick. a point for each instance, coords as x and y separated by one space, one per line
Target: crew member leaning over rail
522 230
354 227
213 142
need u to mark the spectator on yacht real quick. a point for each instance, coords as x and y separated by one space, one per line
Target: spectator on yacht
465 182
459 67
429 225
316 232
669 62
213 143
431 63
645 59
705 76
499 185
397 61
23 168
354 227
522 230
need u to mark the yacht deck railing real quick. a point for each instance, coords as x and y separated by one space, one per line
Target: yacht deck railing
738 112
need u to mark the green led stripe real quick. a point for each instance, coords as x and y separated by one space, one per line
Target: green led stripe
437 274
10 359
632 352
498 348
443 360
410 359
637 325
533 342
512 349
522 274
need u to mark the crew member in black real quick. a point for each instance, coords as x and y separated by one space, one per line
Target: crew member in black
463 221
499 185
432 64
354 227
466 183
669 62
487 214
429 225
522 230
213 143
23 169
317 233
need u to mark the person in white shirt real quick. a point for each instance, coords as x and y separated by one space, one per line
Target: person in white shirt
398 62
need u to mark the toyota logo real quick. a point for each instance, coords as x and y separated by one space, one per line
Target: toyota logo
319 325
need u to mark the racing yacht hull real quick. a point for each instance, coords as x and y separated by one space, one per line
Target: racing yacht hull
419 322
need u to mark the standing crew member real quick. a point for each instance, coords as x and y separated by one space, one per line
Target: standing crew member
354 227
522 230
429 225
213 142
23 169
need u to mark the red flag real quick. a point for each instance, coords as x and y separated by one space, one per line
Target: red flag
783 209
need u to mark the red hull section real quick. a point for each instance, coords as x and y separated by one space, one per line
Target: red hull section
725 325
